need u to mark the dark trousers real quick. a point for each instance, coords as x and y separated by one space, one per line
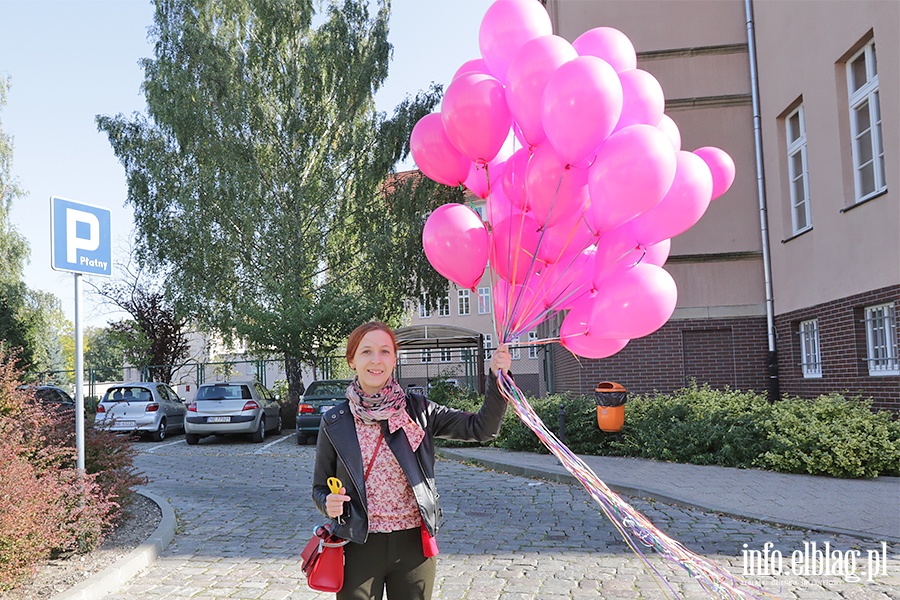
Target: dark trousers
388 561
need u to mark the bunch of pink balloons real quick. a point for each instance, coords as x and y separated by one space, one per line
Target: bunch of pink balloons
580 216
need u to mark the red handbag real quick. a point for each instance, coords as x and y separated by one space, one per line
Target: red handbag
323 560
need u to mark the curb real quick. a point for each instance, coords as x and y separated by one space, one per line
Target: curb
113 577
566 477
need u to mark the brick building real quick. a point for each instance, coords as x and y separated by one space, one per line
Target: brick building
791 280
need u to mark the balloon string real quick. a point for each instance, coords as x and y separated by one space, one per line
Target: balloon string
635 528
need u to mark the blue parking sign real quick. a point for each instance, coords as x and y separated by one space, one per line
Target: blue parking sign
80 238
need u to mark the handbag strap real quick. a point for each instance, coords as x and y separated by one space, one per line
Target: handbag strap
374 454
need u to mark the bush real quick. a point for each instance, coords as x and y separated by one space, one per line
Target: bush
830 435
833 436
697 425
46 507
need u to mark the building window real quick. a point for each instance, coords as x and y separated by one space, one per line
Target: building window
424 313
403 356
865 123
446 355
488 345
881 340
484 300
444 307
811 359
515 352
426 356
532 350
795 127
462 299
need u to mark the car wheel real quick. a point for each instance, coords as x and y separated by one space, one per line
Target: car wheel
280 426
160 433
192 439
260 434
301 439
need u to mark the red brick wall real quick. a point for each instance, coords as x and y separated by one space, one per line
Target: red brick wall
842 343
722 352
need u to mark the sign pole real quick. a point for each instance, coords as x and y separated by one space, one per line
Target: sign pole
79 379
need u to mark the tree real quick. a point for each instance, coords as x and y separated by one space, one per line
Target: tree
104 353
156 334
30 320
259 177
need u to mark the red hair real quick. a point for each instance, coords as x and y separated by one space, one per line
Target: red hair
360 332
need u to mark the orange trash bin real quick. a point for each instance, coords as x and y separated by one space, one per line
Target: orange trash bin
610 397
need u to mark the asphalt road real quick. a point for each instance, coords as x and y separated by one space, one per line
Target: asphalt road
244 511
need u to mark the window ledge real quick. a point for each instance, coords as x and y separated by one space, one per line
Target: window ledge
796 235
864 200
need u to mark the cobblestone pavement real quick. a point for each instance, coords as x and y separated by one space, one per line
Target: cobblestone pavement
244 510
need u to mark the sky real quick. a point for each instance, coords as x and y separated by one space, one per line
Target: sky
70 60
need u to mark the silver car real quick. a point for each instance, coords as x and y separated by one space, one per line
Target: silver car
141 407
232 407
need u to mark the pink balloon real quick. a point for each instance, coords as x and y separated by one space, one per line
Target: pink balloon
435 156
475 116
498 206
633 171
505 28
720 165
456 244
527 77
513 179
554 191
567 237
514 242
476 65
634 303
614 249
482 178
569 280
642 99
668 127
577 337
658 253
518 308
610 44
580 107
683 204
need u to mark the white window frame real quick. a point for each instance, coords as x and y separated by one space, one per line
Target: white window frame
796 146
446 355
865 97
488 345
810 351
484 300
424 313
463 303
515 353
426 355
882 355
444 306
532 349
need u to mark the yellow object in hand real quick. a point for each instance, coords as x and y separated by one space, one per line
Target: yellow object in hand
335 485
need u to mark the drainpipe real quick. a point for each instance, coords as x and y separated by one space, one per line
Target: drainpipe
774 392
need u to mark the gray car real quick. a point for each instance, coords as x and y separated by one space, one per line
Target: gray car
141 407
232 407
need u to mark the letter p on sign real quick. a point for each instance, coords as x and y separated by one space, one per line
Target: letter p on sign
75 242
80 237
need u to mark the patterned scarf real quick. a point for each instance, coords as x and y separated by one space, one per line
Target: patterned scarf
388 404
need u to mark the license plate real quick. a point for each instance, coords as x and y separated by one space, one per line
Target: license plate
120 423
218 419
326 408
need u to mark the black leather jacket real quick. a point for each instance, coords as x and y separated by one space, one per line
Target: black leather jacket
338 455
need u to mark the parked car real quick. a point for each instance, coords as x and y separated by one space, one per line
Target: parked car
141 407
222 408
318 398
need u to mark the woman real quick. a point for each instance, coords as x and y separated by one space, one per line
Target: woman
380 444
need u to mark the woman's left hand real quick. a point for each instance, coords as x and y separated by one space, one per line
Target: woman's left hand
501 359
